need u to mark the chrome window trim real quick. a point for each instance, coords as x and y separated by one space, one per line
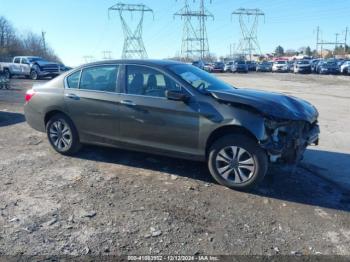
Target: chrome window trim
80 69
163 72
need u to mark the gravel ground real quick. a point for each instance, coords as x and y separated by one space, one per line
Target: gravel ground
112 202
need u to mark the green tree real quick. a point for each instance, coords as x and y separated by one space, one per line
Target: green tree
308 51
279 51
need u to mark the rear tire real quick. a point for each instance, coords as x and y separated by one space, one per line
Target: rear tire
237 162
34 75
62 135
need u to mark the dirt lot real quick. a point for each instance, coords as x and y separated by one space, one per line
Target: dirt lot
107 201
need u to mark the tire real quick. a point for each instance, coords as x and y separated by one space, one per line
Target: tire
34 75
67 142
252 158
7 74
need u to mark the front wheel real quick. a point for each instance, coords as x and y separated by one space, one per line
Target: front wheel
63 135
238 162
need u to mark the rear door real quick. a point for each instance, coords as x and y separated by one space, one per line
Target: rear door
25 68
149 119
91 99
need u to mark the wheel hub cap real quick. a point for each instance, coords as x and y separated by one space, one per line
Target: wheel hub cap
235 164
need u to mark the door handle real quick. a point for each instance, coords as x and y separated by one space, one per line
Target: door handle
73 96
127 103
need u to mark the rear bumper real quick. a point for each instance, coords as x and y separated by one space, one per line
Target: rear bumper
34 118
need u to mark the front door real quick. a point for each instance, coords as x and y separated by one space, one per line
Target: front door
91 99
148 119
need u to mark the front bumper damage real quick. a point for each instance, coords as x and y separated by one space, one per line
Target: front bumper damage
288 141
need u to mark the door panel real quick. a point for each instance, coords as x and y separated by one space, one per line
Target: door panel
148 119
159 123
93 107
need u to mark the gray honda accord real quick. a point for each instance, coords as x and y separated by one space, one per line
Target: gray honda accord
175 109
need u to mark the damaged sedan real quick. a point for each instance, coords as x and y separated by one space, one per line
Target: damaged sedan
174 109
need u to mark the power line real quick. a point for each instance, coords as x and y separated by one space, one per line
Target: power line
195 42
249 44
107 55
133 43
321 43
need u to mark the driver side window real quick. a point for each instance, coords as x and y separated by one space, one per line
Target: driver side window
142 80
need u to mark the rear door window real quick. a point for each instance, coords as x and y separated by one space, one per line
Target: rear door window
73 80
99 78
17 60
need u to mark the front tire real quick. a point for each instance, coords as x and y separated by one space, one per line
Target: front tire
237 162
63 135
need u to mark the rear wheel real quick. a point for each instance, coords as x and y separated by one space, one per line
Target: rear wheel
34 74
63 135
238 162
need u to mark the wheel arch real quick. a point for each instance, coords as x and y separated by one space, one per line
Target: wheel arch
225 130
53 112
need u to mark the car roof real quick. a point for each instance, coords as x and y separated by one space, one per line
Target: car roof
149 62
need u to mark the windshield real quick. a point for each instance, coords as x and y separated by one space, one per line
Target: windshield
240 63
281 62
303 62
200 79
34 59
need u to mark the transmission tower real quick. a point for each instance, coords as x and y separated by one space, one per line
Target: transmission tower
133 43
195 42
249 21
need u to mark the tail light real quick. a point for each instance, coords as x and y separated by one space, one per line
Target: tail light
30 93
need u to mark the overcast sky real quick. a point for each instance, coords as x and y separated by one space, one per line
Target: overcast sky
76 28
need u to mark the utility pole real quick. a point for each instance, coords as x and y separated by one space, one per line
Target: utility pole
345 39
88 58
107 55
133 43
336 40
249 42
317 38
43 34
195 42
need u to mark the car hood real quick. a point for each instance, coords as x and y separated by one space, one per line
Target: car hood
270 104
45 63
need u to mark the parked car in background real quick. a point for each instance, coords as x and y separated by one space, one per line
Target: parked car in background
209 67
280 66
264 67
291 66
228 66
328 67
219 67
200 64
314 64
32 67
174 109
302 66
240 66
345 68
251 65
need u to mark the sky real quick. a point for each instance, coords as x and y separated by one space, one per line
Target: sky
78 28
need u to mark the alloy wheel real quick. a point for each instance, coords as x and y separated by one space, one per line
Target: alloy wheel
235 164
60 135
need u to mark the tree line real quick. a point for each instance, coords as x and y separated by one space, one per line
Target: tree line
338 50
14 44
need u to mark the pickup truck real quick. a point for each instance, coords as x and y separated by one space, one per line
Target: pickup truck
32 67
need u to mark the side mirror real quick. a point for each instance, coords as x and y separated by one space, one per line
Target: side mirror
176 96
